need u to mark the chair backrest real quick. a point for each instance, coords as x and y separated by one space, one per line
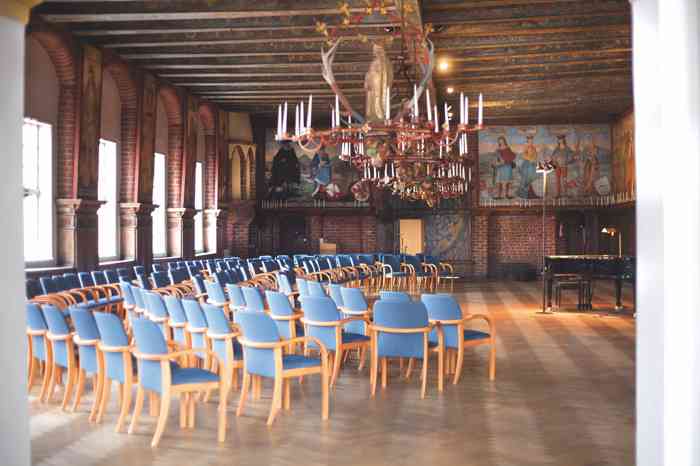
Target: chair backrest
86 280
111 276
158 267
150 341
160 279
175 309
253 299
155 305
284 284
139 270
144 282
47 285
258 327
99 277
55 320
353 299
86 327
443 307
125 274
198 282
139 297
219 325
415 262
235 296
392 261
321 309
335 294
194 313
303 286
112 334
215 292
279 303
127 292
178 275
395 295
398 314
316 289
33 288
37 323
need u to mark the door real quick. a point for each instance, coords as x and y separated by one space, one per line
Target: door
411 235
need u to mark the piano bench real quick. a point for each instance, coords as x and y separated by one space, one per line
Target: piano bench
575 282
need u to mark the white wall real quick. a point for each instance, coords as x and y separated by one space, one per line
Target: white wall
111 118
41 88
14 420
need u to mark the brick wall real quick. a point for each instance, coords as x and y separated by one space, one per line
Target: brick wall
350 233
517 238
480 246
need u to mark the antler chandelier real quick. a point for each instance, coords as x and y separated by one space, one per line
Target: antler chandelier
416 155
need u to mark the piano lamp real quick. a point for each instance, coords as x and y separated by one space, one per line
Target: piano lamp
544 167
612 231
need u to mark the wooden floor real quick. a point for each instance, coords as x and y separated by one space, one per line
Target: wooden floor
564 396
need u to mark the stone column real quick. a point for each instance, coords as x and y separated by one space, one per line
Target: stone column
222 245
211 231
137 232
181 232
14 420
77 233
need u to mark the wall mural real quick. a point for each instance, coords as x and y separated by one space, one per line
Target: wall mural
90 110
294 176
447 236
508 156
623 166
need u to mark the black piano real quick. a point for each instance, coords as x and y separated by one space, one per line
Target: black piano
590 268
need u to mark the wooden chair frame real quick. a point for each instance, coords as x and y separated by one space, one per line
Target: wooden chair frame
341 347
97 381
374 333
106 383
56 371
33 362
279 399
186 391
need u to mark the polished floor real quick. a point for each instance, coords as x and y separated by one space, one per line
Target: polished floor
564 395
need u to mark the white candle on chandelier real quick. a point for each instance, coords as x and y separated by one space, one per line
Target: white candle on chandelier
427 104
447 118
481 109
388 104
308 116
466 110
470 174
301 118
435 114
284 119
337 109
461 107
296 120
279 122
415 101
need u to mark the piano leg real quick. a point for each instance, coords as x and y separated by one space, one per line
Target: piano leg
618 294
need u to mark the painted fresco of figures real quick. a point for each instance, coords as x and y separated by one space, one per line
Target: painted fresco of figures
503 168
285 172
528 168
508 158
321 171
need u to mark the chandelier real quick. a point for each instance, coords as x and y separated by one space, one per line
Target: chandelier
415 154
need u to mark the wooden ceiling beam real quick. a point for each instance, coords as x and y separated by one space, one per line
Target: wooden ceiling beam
468 31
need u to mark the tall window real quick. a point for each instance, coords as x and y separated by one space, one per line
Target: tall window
159 198
38 191
107 218
198 204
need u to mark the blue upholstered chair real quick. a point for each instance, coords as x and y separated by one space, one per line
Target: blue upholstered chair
419 273
323 321
111 276
115 365
253 299
236 298
354 305
395 295
282 312
216 294
401 330
316 289
159 373
130 307
140 299
86 339
392 270
303 286
199 287
224 343
38 349
62 351
157 312
263 357
284 285
445 310
178 319
335 294
196 329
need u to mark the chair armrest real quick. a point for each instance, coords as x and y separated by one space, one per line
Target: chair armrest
222 336
175 355
378 328
80 342
114 349
295 316
53 337
36 333
488 319
282 343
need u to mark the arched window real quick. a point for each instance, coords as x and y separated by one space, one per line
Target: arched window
160 182
42 95
108 171
199 191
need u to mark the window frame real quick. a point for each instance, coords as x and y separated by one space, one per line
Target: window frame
199 212
117 222
52 261
164 206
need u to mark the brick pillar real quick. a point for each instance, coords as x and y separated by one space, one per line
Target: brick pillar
211 231
77 233
181 232
369 234
315 232
241 215
137 232
222 222
480 246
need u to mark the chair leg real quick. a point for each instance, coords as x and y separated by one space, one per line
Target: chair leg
44 392
162 417
153 409
287 394
31 372
458 365
137 409
104 399
385 370
324 391
244 392
80 387
70 383
441 368
126 404
223 403
424 375
183 410
374 367
363 355
276 400
492 360
55 375
409 369
336 365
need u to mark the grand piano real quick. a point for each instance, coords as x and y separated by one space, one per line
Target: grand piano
588 267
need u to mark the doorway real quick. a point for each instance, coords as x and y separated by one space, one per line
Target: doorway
411 235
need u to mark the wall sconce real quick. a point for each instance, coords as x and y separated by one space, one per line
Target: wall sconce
612 231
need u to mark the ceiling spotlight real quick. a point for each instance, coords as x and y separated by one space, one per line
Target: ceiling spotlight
443 65
450 90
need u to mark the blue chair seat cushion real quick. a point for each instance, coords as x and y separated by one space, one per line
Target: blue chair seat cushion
188 375
350 337
295 361
475 335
